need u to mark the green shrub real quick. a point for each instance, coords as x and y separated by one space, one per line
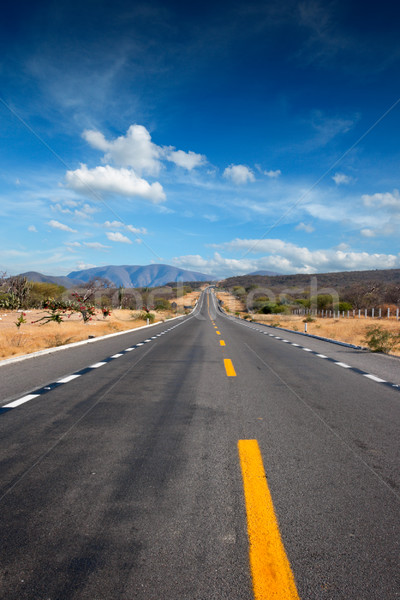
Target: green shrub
143 316
162 304
381 340
343 306
309 319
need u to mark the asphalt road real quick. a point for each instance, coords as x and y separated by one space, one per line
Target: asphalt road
125 482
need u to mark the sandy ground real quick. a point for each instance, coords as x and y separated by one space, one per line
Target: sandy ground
352 330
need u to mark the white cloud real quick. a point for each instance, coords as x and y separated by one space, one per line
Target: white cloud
118 237
385 200
113 181
95 245
131 228
81 266
273 174
239 174
75 244
135 149
59 208
114 224
61 226
32 228
85 211
340 178
286 257
305 227
136 230
368 233
187 160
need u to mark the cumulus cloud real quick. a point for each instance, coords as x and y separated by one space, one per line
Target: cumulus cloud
116 236
32 228
341 178
385 200
305 227
135 149
113 181
239 174
285 257
187 160
60 226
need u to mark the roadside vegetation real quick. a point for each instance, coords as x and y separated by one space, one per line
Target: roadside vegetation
38 315
295 300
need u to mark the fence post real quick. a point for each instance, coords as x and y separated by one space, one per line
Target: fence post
388 313
380 313
359 313
397 314
348 314
373 313
366 312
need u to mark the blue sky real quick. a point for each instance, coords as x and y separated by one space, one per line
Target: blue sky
223 137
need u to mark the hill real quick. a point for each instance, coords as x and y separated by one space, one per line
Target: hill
67 282
360 288
271 273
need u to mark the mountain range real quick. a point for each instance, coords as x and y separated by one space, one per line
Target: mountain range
127 276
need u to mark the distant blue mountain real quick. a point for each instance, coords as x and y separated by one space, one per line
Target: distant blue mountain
127 276
270 273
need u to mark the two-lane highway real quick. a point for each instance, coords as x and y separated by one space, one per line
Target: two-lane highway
205 461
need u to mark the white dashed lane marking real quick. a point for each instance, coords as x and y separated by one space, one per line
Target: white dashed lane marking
338 363
68 378
374 378
21 401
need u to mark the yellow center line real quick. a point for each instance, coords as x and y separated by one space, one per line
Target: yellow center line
270 568
230 371
222 343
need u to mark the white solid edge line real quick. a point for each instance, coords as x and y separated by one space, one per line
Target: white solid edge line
374 378
68 379
97 365
340 364
21 401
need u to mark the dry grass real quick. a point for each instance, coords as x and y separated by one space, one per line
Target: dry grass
351 331
188 299
31 337
231 303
